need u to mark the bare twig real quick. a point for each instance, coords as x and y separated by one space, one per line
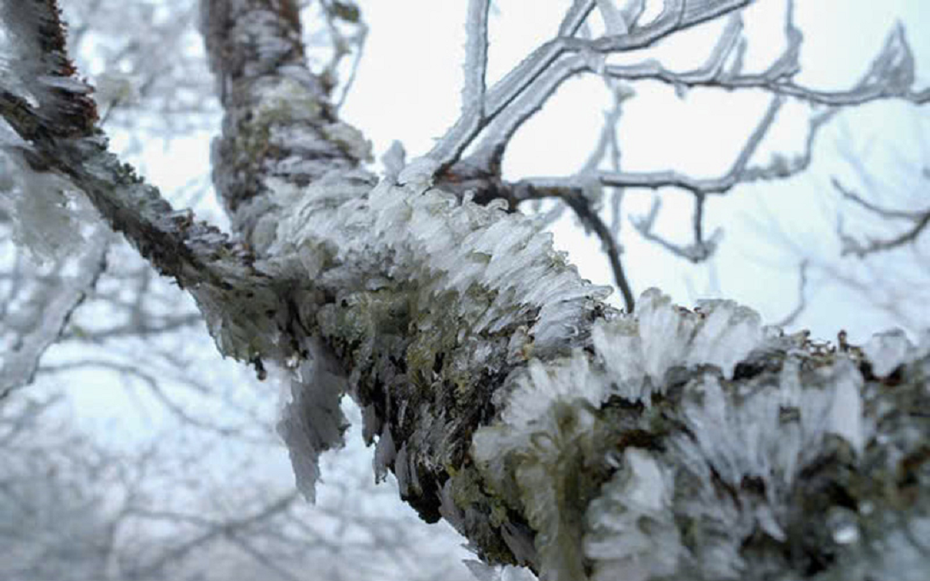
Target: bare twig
448 150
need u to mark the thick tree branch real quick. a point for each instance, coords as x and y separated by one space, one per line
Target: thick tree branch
279 127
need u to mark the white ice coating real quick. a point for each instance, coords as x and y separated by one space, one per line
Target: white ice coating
418 174
889 350
845 416
768 432
442 244
767 429
614 20
637 353
632 532
754 438
311 419
476 56
527 407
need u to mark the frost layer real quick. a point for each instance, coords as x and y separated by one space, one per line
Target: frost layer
699 445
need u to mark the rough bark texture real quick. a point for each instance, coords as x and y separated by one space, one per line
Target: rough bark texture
279 126
501 391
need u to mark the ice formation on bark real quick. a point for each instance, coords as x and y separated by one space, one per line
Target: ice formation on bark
690 463
639 352
889 350
431 295
48 216
502 264
633 535
312 420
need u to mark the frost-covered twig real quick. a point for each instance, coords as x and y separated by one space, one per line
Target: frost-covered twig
448 150
547 67
891 75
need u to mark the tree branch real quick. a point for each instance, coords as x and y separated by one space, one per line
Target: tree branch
503 394
279 127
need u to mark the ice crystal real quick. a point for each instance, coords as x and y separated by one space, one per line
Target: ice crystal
639 352
312 420
887 351
418 174
47 212
632 533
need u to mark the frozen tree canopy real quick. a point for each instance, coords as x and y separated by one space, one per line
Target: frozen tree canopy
506 396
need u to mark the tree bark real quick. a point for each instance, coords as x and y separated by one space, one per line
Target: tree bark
501 391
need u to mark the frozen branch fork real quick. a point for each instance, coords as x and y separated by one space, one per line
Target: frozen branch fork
496 385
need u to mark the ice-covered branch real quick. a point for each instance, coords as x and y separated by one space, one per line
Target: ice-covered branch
891 75
702 445
450 148
279 125
496 384
548 66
